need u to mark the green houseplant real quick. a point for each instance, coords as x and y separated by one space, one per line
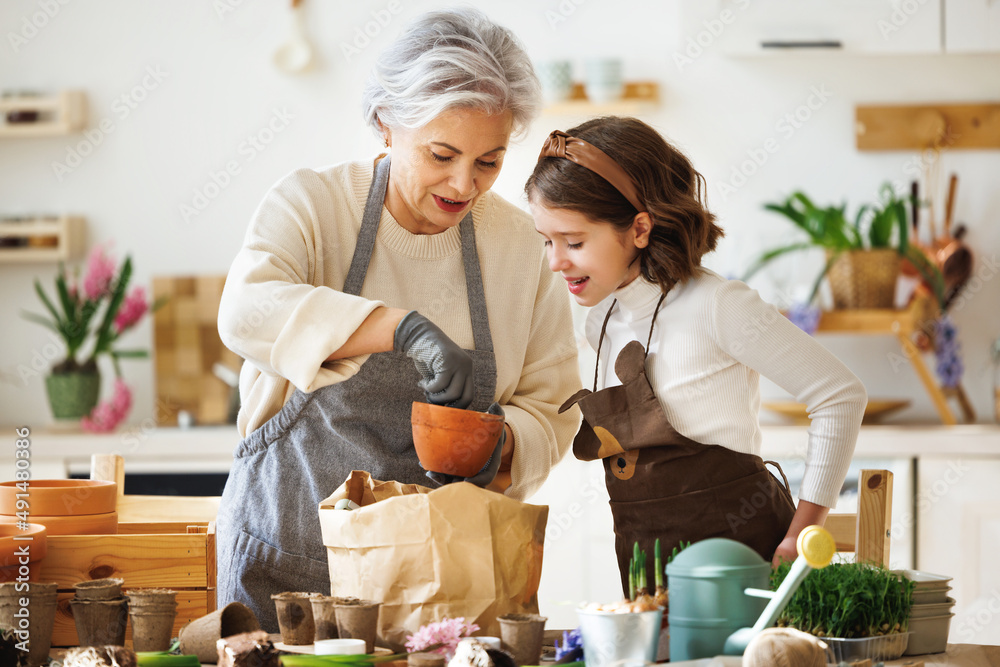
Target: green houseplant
848 603
89 314
862 255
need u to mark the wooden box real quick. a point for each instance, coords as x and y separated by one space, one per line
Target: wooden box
178 556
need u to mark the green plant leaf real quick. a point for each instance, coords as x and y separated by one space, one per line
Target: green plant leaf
38 319
130 354
766 257
48 304
105 334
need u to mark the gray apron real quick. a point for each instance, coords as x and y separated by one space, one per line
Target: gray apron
268 535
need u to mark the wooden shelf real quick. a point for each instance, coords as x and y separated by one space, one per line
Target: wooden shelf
937 126
42 239
639 97
63 113
903 324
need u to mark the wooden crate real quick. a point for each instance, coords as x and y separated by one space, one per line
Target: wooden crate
179 556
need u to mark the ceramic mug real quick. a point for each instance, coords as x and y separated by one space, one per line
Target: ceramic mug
603 80
556 79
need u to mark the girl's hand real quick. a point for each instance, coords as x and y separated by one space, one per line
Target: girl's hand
786 550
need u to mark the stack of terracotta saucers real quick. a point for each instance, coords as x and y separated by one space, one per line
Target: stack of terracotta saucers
63 506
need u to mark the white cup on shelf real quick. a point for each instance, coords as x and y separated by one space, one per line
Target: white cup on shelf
603 80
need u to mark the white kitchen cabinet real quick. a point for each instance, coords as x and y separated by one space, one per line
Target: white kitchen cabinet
748 27
972 26
958 535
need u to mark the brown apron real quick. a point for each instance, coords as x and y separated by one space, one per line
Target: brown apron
665 485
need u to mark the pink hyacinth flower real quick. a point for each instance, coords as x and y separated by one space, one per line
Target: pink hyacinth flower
108 415
100 272
447 632
133 307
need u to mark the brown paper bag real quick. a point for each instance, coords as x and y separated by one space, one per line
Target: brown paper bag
429 554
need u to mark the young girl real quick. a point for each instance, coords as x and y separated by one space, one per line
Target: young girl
680 351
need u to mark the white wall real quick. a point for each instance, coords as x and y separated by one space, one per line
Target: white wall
217 86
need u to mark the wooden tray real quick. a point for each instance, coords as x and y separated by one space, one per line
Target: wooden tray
876 410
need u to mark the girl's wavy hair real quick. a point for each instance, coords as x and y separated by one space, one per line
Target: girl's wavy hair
683 229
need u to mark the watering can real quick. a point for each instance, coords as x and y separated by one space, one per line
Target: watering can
720 595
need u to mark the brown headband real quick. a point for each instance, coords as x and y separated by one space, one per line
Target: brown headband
588 156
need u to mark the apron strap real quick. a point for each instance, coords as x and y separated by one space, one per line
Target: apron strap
476 294
604 326
775 464
369 229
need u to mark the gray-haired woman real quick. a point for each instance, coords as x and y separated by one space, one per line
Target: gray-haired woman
366 286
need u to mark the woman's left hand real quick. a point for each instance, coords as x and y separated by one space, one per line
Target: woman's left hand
786 551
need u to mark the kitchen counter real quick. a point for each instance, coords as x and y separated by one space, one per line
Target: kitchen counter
57 452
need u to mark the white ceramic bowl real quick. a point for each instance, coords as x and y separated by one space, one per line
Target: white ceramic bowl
930 596
928 635
926 610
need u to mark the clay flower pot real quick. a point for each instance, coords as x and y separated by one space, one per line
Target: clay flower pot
453 441
521 635
99 589
358 619
200 636
295 617
41 610
100 622
324 609
62 497
11 551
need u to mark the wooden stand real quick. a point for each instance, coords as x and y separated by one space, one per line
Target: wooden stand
639 96
904 324
42 239
59 114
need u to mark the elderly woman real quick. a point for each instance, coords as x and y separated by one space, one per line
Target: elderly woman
363 287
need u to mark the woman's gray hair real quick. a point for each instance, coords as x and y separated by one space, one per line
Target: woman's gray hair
449 59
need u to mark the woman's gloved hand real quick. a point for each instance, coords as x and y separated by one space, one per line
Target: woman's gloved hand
446 368
489 471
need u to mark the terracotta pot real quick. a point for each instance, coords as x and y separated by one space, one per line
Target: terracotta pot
453 441
99 589
12 551
72 395
521 635
61 497
41 610
100 622
199 637
87 524
295 617
358 619
324 609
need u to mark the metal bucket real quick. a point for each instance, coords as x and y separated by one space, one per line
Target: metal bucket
612 639
707 603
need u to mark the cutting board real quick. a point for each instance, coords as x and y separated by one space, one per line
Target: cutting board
186 346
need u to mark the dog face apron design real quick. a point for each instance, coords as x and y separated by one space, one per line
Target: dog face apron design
665 485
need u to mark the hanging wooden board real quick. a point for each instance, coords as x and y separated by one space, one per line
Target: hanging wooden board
187 347
928 126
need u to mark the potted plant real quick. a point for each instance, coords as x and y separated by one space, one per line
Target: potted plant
861 610
862 256
90 315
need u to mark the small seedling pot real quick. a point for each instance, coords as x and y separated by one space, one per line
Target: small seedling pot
358 619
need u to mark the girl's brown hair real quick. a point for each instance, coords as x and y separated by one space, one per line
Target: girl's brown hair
673 192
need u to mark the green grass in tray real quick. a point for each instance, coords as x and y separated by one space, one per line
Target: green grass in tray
848 600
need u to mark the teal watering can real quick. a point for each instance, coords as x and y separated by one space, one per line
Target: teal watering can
720 595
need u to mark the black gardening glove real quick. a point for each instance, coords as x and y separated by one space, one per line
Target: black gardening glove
446 368
489 471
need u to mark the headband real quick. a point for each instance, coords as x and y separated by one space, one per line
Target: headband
588 156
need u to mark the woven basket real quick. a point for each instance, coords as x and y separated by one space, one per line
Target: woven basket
864 278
